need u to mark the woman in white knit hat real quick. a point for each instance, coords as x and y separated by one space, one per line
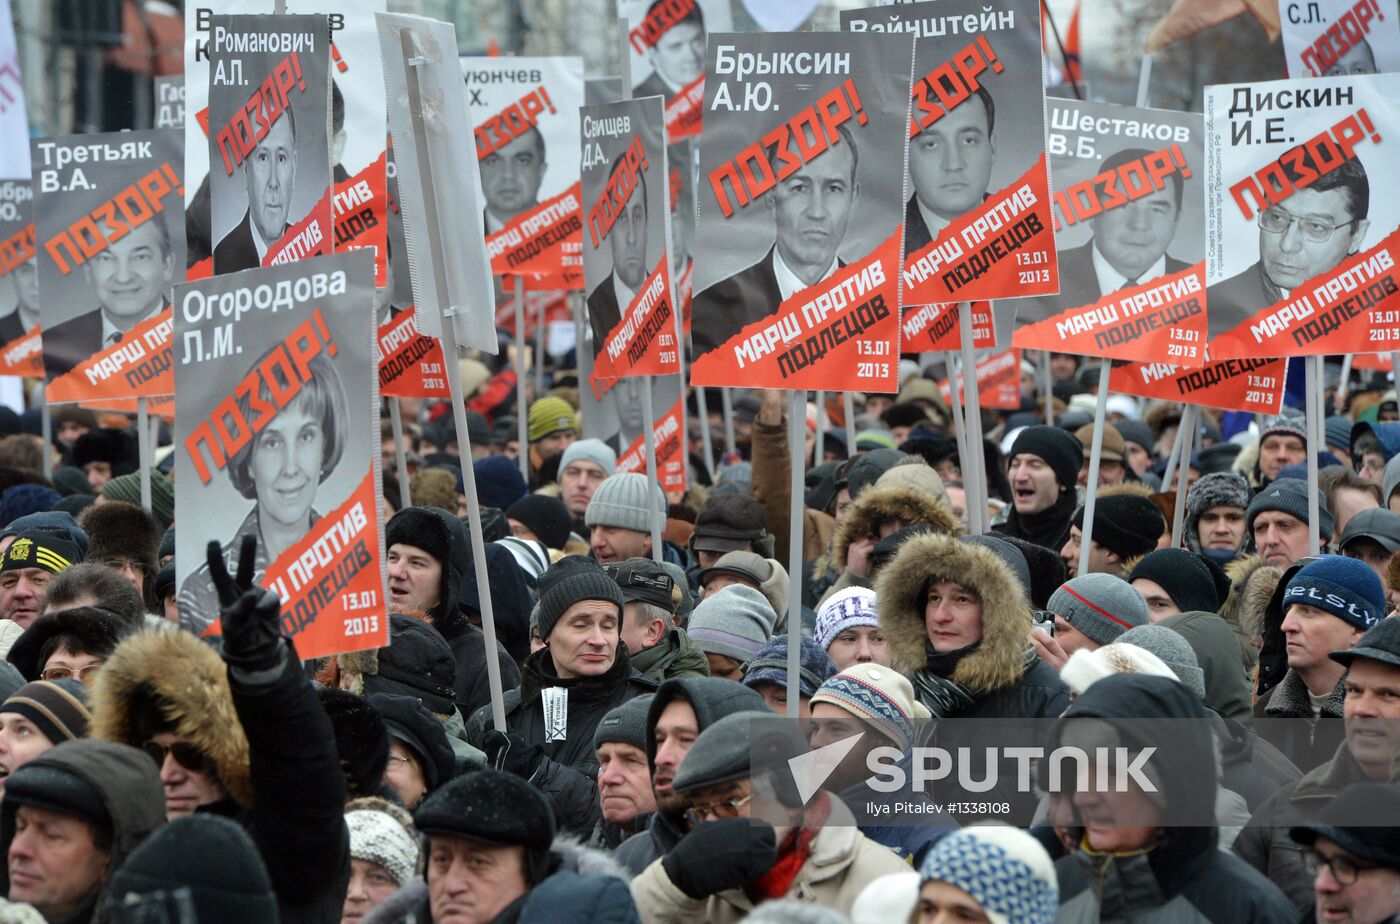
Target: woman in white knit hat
383 855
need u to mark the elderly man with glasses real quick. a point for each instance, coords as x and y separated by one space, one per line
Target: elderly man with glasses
1354 853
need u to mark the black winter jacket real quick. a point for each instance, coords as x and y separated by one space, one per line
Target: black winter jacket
569 775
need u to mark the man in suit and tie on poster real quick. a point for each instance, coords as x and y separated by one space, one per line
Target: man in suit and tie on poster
950 165
628 237
131 281
1305 235
1128 246
677 57
269 174
810 209
510 178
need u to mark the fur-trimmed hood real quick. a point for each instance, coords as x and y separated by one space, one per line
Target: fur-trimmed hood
1252 585
882 501
187 682
1000 660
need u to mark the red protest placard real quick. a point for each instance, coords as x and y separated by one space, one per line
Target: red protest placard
273 441
835 335
20 346
1253 385
938 328
801 201
1127 196
410 363
271 181
525 116
978 225
667 48
626 250
670 463
1302 230
109 222
998 382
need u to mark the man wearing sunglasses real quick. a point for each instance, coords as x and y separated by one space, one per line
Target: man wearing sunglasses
239 732
1307 234
1354 850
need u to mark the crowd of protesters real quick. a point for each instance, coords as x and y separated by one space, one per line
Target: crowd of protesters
150 772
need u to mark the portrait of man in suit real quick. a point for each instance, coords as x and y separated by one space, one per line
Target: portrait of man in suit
678 56
1304 236
810 209
628 239
511 177
1356 60
269 174
26 314
131 283
1128 246
950 165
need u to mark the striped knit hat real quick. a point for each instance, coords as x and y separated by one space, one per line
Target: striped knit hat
58 708
879 695
1099 605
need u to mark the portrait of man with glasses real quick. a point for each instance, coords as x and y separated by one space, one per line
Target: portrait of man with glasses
1304 236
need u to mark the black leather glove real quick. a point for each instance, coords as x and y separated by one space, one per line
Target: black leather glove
728 853
251 617
507 750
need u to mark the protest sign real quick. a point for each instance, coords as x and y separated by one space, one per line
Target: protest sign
626 240
928 328
666 41
109 230
269 140
1253 385
14 122
1128 188
1333 38
358 127
998 382
437 189
625 401
1302 231
277 438
680 161
666 434
525 117
802 167
20 349
977 224
410 363
170 102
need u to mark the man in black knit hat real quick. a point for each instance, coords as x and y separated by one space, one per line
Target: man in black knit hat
1125 527
565 690
429 557
1043 470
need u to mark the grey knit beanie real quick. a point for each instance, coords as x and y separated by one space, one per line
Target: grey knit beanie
626 723
621 501
1290 496
1099 605
736 621
1220 489
1173 649
595 451
569 580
